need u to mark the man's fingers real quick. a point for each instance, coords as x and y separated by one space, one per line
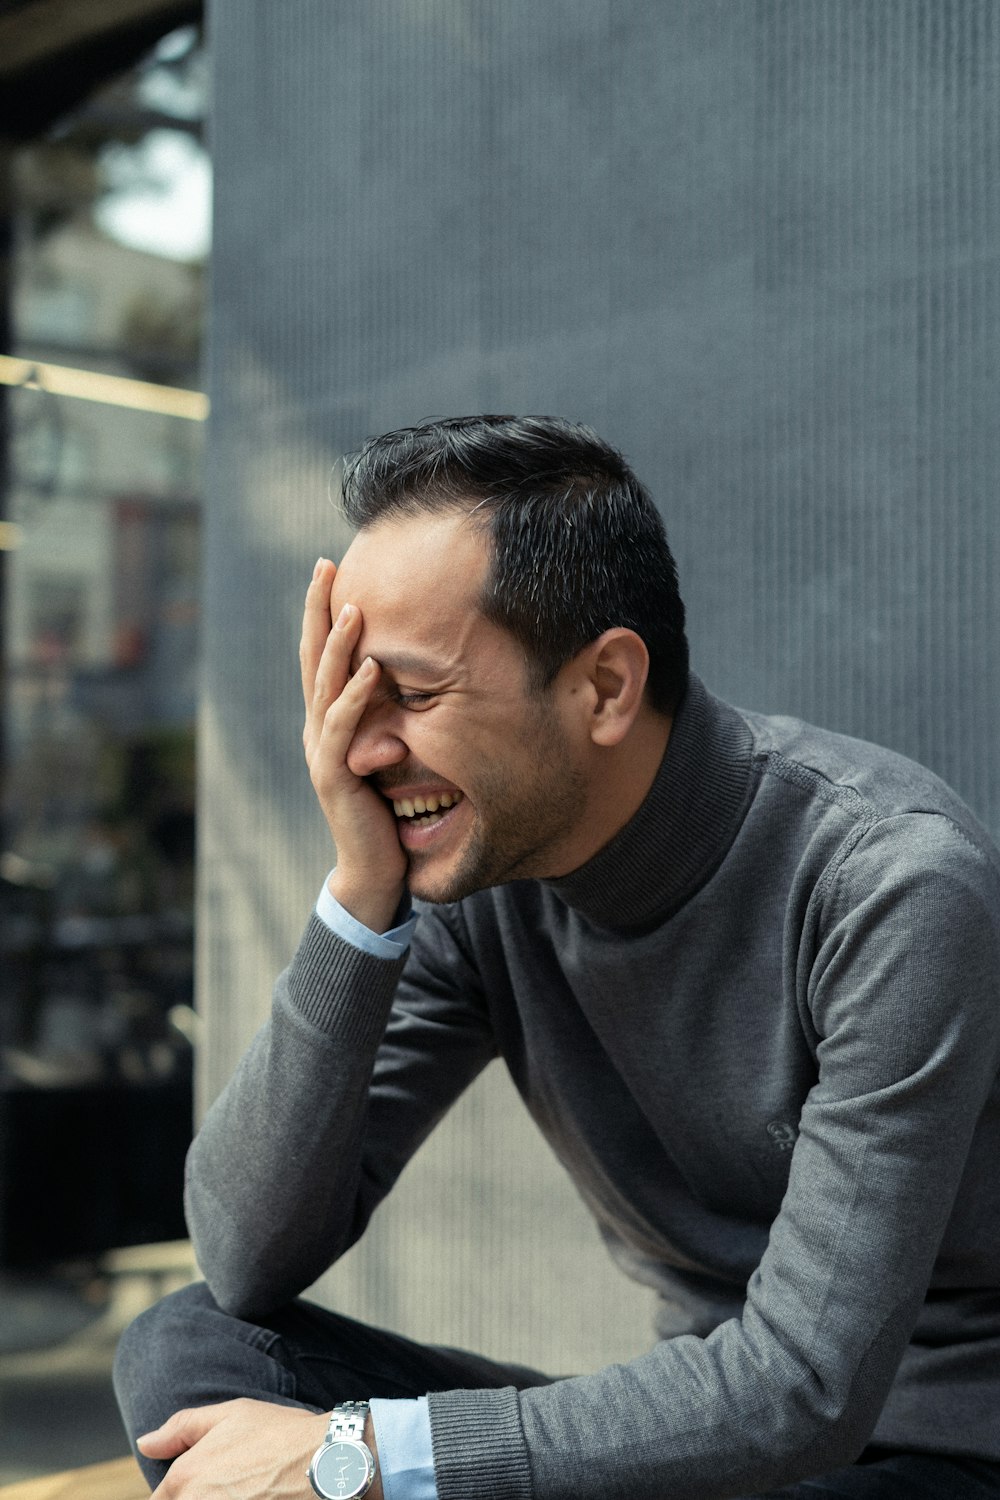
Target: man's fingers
181 1431
339 723
334 687
316 624
334 666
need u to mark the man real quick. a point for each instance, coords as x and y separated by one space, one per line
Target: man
743 972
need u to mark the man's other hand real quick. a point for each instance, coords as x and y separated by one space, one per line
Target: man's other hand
371 865
239 1450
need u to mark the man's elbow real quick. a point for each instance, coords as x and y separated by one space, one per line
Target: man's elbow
237 1285
839 1427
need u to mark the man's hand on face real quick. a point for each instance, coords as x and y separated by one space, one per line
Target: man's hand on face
240 1450
371 865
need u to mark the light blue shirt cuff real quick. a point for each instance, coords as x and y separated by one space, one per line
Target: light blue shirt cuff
391 944
405 1455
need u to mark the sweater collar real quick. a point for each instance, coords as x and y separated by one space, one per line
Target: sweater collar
682 830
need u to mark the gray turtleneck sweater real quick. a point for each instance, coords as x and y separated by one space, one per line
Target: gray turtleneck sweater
761 1030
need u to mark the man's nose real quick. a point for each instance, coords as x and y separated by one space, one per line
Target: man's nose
374 746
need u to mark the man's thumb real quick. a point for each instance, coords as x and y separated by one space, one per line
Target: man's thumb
178 1433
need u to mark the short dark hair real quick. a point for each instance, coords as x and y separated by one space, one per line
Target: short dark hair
578 545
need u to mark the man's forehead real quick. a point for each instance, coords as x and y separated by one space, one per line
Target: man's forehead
408 555
417 582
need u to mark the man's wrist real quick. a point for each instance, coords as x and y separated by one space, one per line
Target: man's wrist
342 1432
374 909
375 1493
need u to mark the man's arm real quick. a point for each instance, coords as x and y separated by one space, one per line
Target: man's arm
260 1442
254 1206
293 1156
288 1165
337 1090
902 991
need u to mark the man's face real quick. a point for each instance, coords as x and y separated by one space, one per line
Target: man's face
454 716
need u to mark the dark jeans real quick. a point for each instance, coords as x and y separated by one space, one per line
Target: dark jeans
186 1352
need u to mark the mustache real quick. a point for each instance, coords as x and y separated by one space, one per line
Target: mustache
386 782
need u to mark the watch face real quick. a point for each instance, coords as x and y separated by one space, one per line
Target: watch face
342 1469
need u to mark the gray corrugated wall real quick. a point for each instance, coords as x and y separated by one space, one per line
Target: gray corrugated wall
754 242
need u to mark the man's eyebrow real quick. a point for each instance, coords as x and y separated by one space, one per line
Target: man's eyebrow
404 662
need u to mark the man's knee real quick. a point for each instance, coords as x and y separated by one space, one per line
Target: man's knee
176 1318
156 1350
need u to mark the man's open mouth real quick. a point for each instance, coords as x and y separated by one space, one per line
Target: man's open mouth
424 812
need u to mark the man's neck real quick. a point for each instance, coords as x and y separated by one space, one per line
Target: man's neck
619 782
682 826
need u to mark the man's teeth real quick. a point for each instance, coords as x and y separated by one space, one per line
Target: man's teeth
420 806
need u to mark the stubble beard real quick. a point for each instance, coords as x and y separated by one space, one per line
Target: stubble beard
517 826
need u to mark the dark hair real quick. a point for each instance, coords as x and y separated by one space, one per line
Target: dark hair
578 545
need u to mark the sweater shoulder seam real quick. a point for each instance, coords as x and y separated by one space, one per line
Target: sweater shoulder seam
809 779
865 816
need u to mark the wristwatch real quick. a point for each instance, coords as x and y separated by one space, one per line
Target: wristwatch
345 1465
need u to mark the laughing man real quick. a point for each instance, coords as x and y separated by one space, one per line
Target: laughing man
743 972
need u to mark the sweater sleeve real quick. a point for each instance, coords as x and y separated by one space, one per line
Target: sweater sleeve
359 1059
899 979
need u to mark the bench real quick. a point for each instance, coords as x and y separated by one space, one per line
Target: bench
119 1480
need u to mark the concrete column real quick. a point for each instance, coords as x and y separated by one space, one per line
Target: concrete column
754 243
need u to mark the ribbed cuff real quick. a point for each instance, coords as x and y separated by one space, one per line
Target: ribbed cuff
391 944
338 988
479 1446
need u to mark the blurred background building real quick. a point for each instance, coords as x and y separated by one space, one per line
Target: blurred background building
753 242
104 194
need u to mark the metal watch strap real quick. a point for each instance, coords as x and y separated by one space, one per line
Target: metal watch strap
348 1421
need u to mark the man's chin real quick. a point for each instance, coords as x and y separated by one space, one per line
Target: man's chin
439 882
439 892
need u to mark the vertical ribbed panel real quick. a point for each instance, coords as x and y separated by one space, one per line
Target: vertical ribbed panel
755 243
867 517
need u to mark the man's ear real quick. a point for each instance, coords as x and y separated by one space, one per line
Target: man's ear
613 671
